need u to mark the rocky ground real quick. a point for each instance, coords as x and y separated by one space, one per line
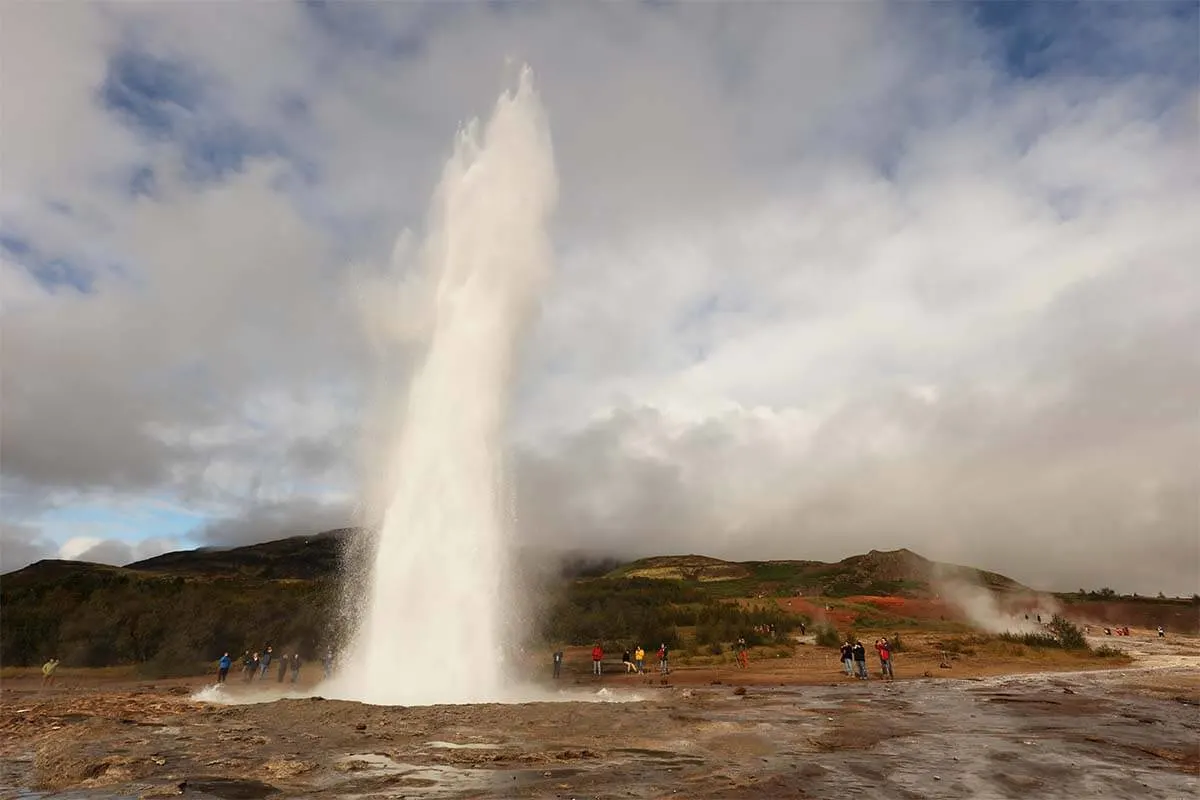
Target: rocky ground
1125 733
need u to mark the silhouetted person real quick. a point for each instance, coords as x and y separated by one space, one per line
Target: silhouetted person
266 662
283 668
558 657
295 667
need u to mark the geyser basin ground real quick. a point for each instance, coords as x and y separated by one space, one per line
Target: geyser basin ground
1126 733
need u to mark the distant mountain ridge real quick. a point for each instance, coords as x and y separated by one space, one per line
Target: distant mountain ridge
895 572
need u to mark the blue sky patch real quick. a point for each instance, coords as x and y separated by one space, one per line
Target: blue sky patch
1088 38
50 273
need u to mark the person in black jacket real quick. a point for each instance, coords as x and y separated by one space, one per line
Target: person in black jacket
860 659
848 658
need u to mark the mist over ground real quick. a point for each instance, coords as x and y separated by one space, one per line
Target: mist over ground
827 278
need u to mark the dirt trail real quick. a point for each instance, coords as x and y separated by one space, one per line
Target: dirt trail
1128 733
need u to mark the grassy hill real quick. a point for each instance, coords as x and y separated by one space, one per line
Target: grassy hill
169 612
879 572
301 557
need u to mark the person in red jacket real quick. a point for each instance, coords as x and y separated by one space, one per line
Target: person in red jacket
597 657
885 658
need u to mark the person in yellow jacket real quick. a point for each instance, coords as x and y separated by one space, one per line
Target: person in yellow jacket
48 670
639 657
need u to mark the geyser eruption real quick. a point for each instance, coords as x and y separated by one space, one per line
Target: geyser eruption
433 626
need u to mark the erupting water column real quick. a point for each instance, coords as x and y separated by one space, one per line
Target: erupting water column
433 626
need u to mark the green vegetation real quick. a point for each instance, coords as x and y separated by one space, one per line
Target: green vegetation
1063 634
1068 634
96 616
827 636
1035 640
618 612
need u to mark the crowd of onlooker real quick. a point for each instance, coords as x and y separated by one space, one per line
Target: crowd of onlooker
258 665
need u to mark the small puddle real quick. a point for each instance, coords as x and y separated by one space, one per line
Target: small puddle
230 788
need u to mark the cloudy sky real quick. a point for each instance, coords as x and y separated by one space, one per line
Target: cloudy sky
828 276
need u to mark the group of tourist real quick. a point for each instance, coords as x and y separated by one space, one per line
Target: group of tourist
854 659
259 665
633 661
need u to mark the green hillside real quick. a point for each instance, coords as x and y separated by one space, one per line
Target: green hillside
170 612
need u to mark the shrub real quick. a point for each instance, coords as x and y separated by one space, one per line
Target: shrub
1037 640
1108 651
715 649
897 643
1068 633
827 636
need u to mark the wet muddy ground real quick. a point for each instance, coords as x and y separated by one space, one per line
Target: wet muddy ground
1131 733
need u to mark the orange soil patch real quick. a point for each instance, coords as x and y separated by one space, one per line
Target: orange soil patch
817 613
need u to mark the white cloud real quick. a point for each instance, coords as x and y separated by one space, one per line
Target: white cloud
76 546
829 277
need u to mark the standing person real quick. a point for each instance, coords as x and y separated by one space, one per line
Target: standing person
597 657
848 658
247 665
627 661
639 659
327 662
253 668
48 670
860 659
885 659
283 668
223 667
664 655
742 658
558 657
266 661
1162 634
295 667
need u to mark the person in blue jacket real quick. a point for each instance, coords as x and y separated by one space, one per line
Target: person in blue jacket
223 667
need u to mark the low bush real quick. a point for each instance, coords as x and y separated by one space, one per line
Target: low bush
827 636
1108 651
1035 640
1068 634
